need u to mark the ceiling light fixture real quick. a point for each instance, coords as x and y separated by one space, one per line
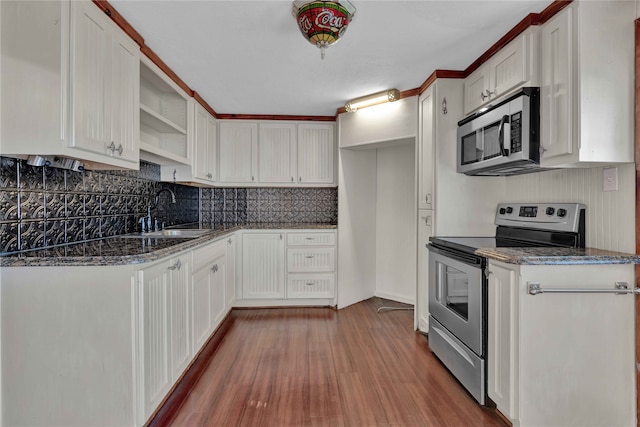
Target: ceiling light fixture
323 22
373 99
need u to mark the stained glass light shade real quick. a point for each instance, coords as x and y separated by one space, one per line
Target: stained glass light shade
323 22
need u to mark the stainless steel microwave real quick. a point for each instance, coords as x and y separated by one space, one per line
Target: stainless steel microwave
504 139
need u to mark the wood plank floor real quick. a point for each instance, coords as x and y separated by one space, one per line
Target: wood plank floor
322 367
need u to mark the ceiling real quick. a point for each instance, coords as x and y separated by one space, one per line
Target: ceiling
248 57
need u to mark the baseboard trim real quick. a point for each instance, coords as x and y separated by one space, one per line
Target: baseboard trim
178 395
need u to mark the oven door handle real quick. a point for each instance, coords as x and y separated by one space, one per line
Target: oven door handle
469 259
503 128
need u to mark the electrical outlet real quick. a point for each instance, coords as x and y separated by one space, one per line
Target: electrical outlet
610 179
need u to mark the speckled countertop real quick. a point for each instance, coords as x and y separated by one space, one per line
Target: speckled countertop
121 251
557 256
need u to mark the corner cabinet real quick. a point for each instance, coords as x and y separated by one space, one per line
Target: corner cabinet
70 84
587 85
512 67
276 153
542 349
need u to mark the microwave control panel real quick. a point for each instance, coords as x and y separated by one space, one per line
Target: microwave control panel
516 132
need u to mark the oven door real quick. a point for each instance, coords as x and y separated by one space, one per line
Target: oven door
455 294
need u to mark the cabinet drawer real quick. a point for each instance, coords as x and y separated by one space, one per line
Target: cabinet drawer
311 239
304 260
204 256
311 286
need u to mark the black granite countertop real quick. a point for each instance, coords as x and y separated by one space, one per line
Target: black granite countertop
118 250
557 256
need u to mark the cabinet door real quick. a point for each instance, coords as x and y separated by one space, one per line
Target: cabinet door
502 339
424 232
155 336
475 87
426 150
315 153
230 293
212 149
263 265
238 152
90 77
125 122
201 307
556 75
509 67
180 312
218 290
277 153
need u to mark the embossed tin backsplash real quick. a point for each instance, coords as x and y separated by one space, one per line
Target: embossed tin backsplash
43 206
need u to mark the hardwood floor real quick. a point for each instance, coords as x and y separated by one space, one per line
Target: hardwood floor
321 367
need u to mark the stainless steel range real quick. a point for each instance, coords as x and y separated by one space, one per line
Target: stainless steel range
458 281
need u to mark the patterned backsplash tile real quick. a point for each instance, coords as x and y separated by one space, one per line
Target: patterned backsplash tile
44 207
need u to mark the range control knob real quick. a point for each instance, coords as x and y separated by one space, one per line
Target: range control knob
550 211
562 213
502 211
509 209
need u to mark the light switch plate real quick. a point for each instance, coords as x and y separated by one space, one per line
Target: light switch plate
610 179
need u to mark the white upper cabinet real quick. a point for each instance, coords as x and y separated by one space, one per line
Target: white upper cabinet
276 153
316 153
205 147
381 124
587 85
512 67
426 151
165 117
69 83
238 152
277 149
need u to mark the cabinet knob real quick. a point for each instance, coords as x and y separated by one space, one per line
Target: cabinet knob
229 241
299 179
120 149
292 180
214 268
209 176
252 178
487 94
176 266
427 198
112 147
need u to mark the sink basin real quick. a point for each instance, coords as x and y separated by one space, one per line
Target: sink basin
185 233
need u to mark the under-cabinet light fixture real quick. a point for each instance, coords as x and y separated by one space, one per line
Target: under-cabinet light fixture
373 99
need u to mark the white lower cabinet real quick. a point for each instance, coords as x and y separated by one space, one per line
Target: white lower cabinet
561 359
425 225
263 265
230 293
287 267
163 329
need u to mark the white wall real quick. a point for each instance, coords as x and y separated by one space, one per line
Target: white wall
396 224
610 222
356 226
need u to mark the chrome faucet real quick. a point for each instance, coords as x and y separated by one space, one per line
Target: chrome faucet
146 222
157 197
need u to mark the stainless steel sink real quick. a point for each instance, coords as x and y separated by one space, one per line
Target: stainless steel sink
183 233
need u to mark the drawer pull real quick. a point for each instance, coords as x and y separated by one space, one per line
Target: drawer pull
310 238
310 284
176 266
309 256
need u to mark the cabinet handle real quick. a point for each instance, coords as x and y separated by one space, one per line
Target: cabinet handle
229 241
486 94
427 220
309 238
281 237
209 176
299 179
120 149
427 198
214 268
252 178
176 266
310 284
112 147
292 179
309 256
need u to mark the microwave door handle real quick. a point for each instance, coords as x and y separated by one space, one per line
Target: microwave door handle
502 129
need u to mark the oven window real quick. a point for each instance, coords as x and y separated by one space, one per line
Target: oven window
455 289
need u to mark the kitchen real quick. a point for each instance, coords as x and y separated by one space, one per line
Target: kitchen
366 258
